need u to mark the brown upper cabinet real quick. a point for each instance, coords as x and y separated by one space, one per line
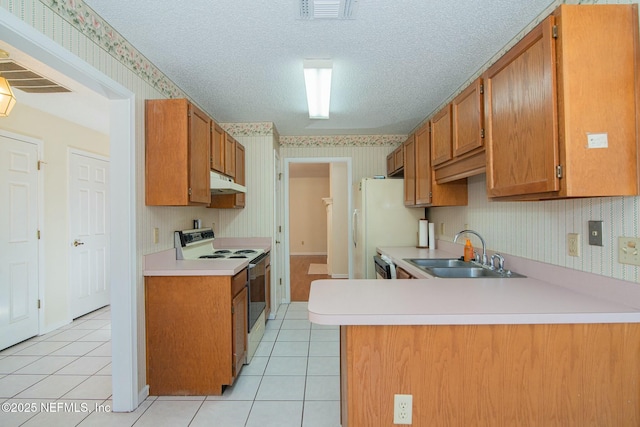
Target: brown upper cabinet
177 150
229 156
421 180
561 117
409 148
237 200
218 137
457 133
395 162
441 150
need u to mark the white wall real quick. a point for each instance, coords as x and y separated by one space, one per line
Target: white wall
58 136
308 215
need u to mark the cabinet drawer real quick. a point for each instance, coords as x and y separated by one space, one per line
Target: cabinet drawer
238 282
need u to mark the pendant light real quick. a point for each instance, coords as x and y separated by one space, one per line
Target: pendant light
7 98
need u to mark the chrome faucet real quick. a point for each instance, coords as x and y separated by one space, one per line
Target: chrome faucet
500 259
484 248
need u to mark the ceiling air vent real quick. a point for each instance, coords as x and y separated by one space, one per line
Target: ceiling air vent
328 9
26 80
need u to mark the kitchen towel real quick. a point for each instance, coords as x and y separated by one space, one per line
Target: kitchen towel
432 235
423 234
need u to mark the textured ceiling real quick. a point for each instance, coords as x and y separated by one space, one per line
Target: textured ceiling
394 64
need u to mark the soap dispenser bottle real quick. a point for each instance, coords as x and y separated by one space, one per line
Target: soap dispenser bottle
468 251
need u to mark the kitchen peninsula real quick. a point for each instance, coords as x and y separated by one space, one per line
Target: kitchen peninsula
494 352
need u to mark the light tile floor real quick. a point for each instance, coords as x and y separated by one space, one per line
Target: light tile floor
63 379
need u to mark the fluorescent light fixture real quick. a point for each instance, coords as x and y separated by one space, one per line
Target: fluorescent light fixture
7 98
317 79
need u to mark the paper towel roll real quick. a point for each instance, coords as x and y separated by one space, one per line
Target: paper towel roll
432 235
423 233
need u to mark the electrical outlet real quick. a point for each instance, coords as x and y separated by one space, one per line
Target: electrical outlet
629 250
573 244
156 235
402 409
442 229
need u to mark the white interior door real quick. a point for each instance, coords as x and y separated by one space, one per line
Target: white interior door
88 233
18 240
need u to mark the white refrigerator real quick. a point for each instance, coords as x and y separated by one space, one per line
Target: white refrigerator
380 219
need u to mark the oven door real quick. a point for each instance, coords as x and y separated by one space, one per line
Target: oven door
257 291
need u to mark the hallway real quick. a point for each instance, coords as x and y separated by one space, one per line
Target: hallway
300 277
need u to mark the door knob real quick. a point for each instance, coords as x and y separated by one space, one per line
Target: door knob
77 242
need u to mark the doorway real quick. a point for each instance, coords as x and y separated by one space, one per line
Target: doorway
89 230
17 33
21 196
317 196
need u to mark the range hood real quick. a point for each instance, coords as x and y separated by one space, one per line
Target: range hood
221 184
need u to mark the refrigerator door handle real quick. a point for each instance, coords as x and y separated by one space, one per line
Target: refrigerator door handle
354 228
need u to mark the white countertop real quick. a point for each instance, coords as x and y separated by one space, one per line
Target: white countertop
164 263
456 301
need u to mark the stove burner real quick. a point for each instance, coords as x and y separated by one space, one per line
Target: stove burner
212 256
245 251
238 256
222 251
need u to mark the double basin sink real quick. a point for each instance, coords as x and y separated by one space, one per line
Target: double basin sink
456 268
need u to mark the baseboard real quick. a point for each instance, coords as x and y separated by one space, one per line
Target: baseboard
143 394
309 253
339 276
55 326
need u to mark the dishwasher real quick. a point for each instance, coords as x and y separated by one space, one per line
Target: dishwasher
385 268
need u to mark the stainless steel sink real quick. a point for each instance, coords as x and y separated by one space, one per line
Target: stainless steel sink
454 268
463 272
438 262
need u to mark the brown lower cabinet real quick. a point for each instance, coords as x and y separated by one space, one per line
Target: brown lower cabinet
196 333
401 273
492 375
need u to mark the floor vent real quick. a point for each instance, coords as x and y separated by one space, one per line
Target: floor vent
26 80
328 9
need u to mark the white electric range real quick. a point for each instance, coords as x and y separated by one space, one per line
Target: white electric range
198 244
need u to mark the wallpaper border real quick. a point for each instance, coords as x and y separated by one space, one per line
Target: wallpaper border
342 141
94 27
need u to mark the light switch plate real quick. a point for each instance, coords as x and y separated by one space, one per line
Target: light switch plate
629 250
595 233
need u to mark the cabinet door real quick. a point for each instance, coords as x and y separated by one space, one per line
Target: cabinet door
467 113
229 156
390 164
423 166
217 148
409 171
403 274
239 330
398 158
441 136
199 148
521 123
